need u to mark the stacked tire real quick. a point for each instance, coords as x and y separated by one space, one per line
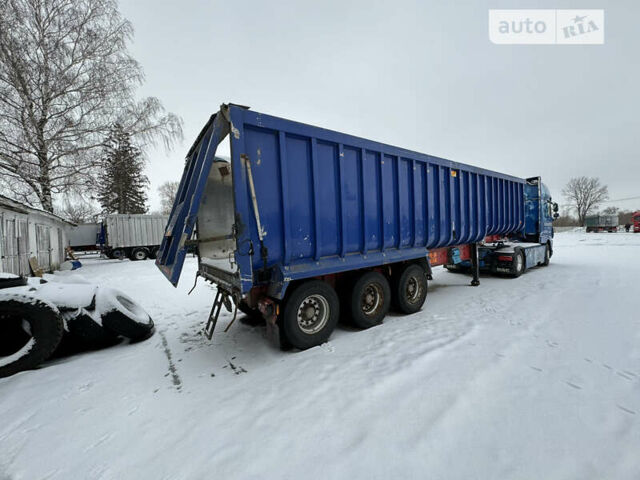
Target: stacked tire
32 328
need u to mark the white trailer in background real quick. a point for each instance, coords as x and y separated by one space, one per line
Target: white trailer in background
136 236
84 237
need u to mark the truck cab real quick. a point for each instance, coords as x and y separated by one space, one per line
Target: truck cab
635 218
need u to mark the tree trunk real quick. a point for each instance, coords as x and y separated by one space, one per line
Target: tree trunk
44 195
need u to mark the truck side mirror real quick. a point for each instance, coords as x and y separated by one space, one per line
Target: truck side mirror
555 207
556 215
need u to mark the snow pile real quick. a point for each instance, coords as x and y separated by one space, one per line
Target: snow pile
535 377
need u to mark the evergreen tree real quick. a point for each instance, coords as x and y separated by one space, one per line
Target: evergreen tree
123 185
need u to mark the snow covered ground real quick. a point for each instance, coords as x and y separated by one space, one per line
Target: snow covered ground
529 378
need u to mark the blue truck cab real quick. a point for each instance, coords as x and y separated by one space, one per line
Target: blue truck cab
302 225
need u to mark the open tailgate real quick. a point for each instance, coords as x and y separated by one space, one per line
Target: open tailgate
172 252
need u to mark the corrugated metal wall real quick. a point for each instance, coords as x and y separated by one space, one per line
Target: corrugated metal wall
318 197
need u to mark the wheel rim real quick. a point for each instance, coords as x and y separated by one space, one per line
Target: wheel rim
313 314
372 298
140 255
413 289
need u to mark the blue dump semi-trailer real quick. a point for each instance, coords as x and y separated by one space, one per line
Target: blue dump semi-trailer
304 225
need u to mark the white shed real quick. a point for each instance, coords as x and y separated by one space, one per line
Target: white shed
30 232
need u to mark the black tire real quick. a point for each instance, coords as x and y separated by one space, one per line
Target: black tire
518 266
118 254
253 314
139 254
15 281
547 255
317 319
83 330
30 331
121 315
409 288
369 300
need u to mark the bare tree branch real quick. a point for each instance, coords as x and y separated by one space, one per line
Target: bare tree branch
66 78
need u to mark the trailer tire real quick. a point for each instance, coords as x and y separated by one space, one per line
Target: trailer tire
409 288
310 314
518 266
139 254
253 313
121 315
31 331
369 300
118 254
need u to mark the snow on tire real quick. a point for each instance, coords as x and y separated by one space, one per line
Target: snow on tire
30 331
121 315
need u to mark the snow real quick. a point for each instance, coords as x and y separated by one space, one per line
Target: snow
535 377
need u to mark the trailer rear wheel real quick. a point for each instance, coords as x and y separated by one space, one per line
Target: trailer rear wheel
369 300
310 314
409 288
139 254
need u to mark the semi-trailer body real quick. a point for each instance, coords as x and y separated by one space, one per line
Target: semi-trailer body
602 223
303 224
136 236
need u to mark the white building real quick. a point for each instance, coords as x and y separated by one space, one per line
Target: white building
27 232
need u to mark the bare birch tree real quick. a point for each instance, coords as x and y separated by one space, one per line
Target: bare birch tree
584 195
66 78
168 191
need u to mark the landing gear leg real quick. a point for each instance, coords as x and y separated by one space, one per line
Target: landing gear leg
475 265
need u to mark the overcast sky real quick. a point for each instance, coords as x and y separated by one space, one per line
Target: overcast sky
421 75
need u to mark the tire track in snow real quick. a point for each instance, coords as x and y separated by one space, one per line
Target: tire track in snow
177 382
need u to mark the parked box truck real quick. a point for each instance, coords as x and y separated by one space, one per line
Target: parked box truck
136 236
303 224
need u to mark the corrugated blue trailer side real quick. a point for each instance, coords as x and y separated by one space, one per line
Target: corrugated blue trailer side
332 202
303 202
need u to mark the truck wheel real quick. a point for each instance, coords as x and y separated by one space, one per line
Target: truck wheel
310 314
518 265
30 331
369 300
118 254
409 288
121 315
139 254
547 255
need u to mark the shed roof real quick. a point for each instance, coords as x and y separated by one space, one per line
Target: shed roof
11 204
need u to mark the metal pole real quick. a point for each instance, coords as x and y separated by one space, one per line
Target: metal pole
475 265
